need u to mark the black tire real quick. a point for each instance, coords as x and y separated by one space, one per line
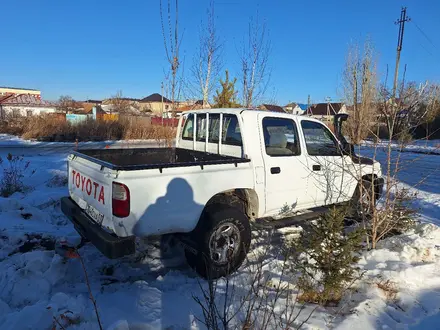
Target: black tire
215 218
364 200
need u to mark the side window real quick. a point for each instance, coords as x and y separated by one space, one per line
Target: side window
214 128
231 134
231 131
201 128
319 140
188 128
280 137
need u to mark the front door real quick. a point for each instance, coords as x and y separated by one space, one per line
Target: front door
330 177
285 166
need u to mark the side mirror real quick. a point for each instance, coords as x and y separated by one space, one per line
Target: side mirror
346 147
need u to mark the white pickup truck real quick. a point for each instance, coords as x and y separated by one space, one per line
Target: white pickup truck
229 167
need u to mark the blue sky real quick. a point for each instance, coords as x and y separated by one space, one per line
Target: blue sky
91 49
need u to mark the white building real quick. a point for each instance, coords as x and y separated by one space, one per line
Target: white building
19 91
24 105
296 108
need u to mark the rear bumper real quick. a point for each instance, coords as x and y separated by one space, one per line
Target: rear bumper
108 244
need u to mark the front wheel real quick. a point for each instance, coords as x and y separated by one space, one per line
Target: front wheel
221 241
364 200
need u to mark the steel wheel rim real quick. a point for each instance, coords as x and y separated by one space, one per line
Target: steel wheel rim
224 243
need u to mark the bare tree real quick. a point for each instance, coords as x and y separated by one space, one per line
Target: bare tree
207 63
432 107
254 62
360 90
66 103
414 104
119 104
172 46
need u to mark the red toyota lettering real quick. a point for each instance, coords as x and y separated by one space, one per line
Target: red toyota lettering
78 179
101 195
89 187
83 180
96 187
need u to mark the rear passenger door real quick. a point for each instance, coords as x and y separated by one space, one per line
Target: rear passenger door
285 166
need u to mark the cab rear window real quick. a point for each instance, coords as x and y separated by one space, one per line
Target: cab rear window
231 134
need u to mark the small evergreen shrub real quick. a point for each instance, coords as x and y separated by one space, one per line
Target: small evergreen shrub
326 258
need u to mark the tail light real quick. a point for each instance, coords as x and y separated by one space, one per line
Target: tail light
120 200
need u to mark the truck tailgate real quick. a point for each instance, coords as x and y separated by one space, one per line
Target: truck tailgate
90 187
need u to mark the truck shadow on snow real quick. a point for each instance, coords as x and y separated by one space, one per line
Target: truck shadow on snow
176 205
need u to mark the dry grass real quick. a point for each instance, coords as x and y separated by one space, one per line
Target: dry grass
389 288
42 126
139 129
53 128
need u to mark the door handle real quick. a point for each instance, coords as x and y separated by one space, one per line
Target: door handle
275 170
316 167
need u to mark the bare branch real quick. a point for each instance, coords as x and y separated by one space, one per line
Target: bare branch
360 90
119 104
254 63
172 46
207 64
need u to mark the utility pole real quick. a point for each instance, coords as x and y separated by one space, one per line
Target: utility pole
308 105
401 22
328 100
161 94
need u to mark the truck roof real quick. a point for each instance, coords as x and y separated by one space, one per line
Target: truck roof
237 111
240 111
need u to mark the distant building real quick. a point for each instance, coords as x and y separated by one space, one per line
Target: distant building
19 91
24 105
153 103
326 111
296 108
95 102
271 107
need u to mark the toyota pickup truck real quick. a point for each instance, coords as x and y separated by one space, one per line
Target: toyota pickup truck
228 168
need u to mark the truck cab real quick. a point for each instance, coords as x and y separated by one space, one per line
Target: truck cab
298 162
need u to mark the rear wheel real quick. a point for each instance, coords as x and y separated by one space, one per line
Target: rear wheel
221 241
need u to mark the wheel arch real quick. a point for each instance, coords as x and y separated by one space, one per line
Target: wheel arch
376 181
243 198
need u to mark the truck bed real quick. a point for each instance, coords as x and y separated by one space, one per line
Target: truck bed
150 158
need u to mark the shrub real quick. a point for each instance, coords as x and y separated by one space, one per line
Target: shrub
326 257
44 126
12 180
396 216
257 299
12 127
98 130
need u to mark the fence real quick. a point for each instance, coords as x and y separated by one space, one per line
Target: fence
136 120
172 122
75 118
107 117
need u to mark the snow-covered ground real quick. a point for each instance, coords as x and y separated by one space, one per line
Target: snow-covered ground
154 289
13 142
418 146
